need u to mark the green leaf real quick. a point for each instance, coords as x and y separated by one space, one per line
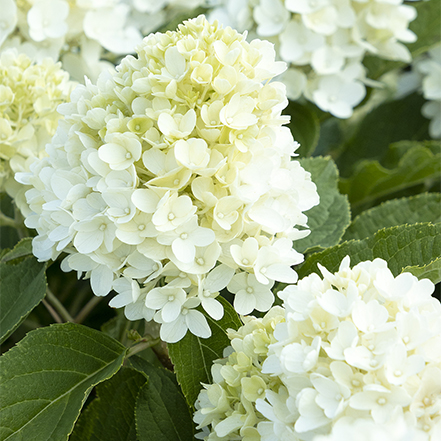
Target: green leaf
414 245
304 126
430 271
22 249
388 123
420 163
424 207
46 378
111 416
162 413
193 356
426 26
22 288
328 220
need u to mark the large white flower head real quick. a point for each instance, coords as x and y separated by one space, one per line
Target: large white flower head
83 33
358 348
29 96
325 42
172 178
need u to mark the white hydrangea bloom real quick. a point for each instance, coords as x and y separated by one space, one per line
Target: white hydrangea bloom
430 69
29 96
175 171
323 40
354 356
84 34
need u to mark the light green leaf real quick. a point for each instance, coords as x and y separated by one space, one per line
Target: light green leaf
426 26
388 123
420 163
22 288
111 416
414 245
424 207
304 126
162 413
46 378
22 249
193 356
430 271
328 220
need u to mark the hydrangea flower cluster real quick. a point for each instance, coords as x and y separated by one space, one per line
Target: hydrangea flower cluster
29 96
82 32
430 69
359 344
172 179
325 42
229 404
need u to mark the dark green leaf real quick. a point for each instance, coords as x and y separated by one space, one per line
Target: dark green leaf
162 413
304 126
193 356
46 378
430 271
420 163
22 249
424 207
414 245
328 220
388 123
111 416
22 288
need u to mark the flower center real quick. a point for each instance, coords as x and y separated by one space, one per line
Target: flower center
141 227
250 290
103 227
184 311
200 261
381 401
171 216
183 236
128 155
171 298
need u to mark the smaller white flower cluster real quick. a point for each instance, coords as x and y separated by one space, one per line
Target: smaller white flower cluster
29 96
79 32
228 405
172 179
325 42
356 349
429 67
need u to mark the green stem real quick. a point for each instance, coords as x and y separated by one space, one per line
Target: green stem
86 310
143 344
52 311
58 306
6 221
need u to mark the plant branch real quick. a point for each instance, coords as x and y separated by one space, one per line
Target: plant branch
87 309
6 221
58 306
145 343
52 311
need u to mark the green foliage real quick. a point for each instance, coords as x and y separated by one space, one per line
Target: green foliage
426 26
403 246
46 378
162 413
420 163
328 220
22 249
424 207
193 356
22 287
430 271
111 416
388 123
304 126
